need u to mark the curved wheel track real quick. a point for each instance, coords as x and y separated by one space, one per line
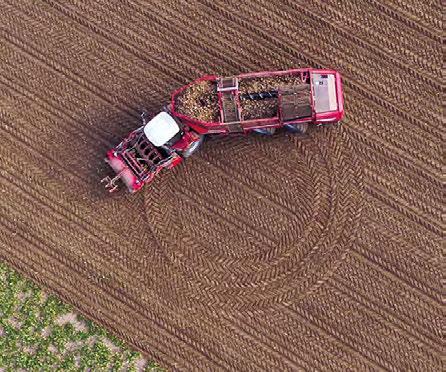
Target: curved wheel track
311 252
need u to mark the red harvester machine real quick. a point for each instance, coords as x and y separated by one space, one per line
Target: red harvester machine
260 102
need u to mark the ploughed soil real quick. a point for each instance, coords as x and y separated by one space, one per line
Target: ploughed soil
279 253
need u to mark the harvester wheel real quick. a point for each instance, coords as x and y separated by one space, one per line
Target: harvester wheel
265 131
194 146
297 128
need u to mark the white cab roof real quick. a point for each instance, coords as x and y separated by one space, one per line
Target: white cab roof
161 129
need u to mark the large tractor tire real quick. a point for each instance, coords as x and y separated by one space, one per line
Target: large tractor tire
193 147
297 128
265 131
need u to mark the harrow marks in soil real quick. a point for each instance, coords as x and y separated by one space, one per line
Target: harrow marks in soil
312 252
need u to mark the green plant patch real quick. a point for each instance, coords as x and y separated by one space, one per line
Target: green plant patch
38 332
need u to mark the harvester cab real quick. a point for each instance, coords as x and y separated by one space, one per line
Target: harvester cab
160 143
139 157
162 129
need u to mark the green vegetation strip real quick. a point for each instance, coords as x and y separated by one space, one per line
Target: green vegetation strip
40 333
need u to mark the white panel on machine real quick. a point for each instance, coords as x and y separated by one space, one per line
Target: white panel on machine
324 87
161 129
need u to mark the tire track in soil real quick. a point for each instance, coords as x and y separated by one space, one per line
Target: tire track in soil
191 269
88 275
360 226
364 302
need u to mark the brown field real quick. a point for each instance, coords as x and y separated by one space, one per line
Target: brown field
280 253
